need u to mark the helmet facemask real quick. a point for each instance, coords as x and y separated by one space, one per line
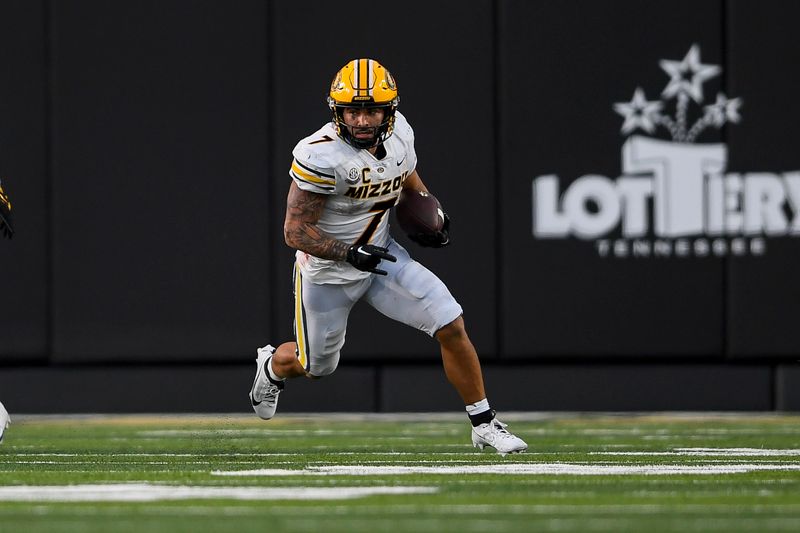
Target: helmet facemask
382 131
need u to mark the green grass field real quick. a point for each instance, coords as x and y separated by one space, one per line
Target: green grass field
223 473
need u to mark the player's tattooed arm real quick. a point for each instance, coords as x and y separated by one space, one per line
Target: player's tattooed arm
300 230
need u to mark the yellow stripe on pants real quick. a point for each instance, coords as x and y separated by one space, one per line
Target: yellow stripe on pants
299 323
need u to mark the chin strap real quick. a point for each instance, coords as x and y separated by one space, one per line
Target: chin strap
382 132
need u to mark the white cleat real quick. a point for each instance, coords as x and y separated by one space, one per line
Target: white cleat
496 435
4 420
264 394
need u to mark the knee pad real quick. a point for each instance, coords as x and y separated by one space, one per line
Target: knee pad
326 367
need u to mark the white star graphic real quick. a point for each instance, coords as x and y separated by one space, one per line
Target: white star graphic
724 110
638 113
687 76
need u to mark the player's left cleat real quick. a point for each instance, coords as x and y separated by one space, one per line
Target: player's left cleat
496 435
264 393
4 420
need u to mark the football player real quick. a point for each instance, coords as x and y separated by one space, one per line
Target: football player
6 226
4 420
344 179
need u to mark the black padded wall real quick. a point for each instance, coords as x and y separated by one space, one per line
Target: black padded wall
160 183
24 261
564 66
763 292
145 146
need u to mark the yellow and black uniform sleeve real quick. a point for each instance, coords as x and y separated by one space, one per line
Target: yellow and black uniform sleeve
6 224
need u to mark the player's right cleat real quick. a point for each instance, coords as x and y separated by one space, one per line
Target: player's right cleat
4 420
264 394
496 435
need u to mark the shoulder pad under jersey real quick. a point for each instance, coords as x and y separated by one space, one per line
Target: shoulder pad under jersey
402 128
315 160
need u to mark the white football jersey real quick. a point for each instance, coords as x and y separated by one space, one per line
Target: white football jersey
361 190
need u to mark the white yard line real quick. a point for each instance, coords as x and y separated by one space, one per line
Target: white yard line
515 469
220 454
712 452
279 432
146 492
748 452
405 510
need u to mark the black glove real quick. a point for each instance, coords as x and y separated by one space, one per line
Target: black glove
367 256
434 240
6 225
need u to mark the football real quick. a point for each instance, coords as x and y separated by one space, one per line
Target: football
419 212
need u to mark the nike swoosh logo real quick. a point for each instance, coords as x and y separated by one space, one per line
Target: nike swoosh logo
252 400
401 161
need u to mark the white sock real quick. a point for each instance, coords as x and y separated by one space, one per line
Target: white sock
478 407
272 372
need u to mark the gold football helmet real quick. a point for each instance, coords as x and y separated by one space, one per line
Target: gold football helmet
364 83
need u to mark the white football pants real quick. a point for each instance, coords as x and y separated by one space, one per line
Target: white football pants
408 293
